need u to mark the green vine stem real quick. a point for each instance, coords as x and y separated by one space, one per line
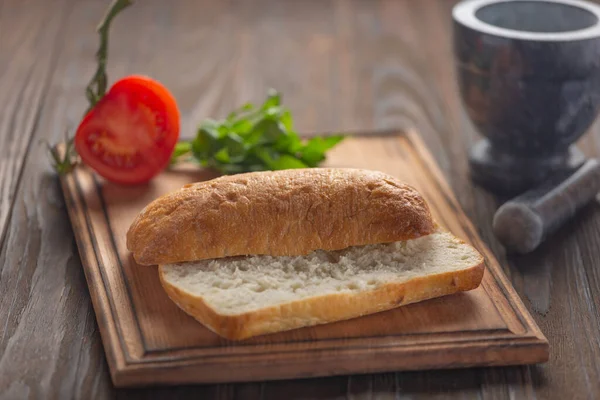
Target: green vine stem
96 89
64 161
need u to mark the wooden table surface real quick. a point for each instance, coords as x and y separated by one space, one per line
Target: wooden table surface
342 65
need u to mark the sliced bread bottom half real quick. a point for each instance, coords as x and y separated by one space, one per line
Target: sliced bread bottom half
242 297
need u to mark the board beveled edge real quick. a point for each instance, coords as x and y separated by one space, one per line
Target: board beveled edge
129 371
345 361
491 262
115 356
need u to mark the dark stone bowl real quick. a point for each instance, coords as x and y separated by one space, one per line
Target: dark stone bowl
529 77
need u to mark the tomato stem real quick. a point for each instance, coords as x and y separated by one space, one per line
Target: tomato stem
96 89
63 158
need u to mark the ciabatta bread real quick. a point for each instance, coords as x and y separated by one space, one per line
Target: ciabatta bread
241 297
279 213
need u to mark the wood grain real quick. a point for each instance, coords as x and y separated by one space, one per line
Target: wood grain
342 65
24 83
46 318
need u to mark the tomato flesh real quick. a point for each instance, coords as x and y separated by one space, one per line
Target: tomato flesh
129 135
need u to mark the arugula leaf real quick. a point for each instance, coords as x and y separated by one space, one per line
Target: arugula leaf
255 138
287 161
273 99
287 121
235 147
290 144
265 131
242 127
205 145
314 151
222 156
243 109
181 149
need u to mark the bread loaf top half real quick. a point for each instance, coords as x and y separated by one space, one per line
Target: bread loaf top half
278 213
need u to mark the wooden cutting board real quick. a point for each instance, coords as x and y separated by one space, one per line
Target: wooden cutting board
148 340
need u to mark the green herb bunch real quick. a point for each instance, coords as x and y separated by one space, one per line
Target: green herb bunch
254 138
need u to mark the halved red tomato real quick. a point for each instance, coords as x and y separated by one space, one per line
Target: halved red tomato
129 135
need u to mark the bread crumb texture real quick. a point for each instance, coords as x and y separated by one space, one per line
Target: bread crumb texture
238 285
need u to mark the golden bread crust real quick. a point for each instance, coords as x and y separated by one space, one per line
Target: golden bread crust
289 212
